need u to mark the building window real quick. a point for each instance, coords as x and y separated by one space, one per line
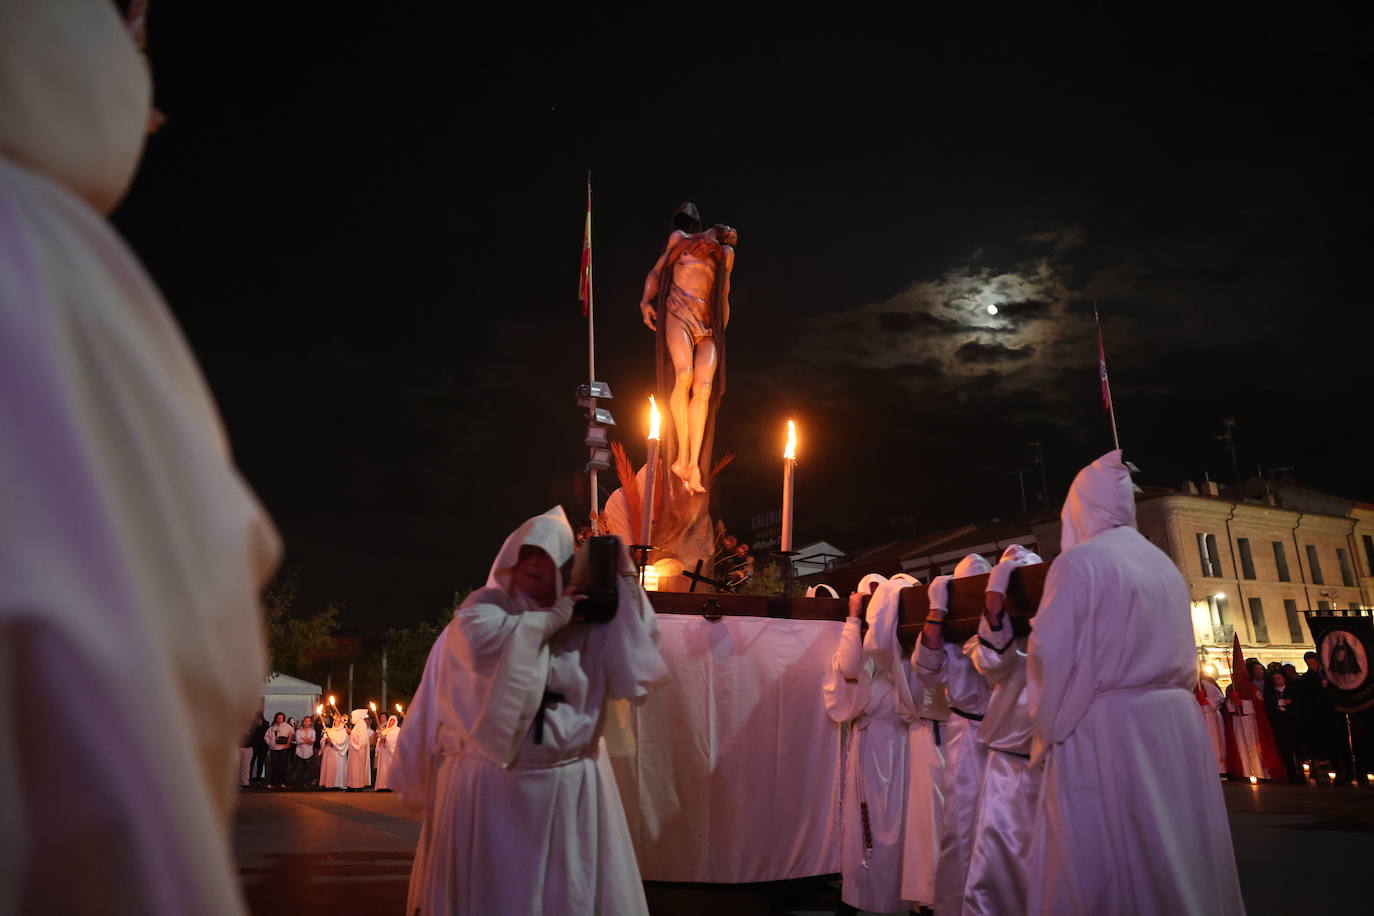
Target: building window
1369 553
1247 562
1314 565
1290 610
1281 562
1323 605
1354 605
1343 558
1214 554
1257 620
1202 554
1223 613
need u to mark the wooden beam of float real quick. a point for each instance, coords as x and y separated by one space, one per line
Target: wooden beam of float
1024 591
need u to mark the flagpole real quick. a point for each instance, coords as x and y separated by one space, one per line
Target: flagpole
591 354
1106 382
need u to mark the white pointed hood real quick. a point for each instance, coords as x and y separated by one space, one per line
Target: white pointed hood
1014 556
881 644
550 532
1101 498
74 96
972 565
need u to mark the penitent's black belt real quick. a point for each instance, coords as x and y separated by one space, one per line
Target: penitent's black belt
972 717
551 698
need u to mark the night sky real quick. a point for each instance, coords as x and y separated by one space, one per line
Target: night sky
368 222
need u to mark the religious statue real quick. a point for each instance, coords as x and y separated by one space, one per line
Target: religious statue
686 302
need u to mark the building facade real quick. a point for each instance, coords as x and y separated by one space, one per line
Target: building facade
1255 558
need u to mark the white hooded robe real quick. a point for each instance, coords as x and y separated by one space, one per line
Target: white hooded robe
386 752
1211 717
334 747
949 669
131 551
513 824
359 763
868 687
996 881
1131 817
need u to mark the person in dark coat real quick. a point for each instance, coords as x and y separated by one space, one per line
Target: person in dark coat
258 767
1285 711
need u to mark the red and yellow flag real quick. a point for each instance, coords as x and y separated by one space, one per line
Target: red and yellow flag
584 285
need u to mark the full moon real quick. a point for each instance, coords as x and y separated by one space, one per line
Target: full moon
992 310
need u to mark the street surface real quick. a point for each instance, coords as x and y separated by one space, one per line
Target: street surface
1299 848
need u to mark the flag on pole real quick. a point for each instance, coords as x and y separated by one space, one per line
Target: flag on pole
1101 362
584 286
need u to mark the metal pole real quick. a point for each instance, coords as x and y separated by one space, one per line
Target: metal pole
1350 740
350 687
384 706
1106 380
591 354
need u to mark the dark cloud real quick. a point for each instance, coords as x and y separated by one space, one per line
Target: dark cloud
896 322
1026 309
924 322
927 368
975 351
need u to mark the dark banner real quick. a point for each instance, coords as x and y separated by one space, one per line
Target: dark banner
1345 642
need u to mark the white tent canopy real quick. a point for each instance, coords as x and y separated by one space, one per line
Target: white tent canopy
291 695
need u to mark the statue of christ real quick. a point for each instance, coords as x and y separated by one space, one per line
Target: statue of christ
688 292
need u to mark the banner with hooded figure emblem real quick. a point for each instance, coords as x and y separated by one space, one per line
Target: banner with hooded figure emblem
1345 643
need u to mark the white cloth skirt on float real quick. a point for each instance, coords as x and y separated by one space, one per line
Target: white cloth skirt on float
875 776
924 810
546 841
996 882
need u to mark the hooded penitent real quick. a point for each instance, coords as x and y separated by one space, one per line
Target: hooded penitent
131 552
1111 666
996 880
1101 498
387 743
868 687
502 747
947 668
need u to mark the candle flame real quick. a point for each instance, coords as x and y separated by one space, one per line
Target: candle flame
790 452
331 699
398 707
319 710
372 706
653 418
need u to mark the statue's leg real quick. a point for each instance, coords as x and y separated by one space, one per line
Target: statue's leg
703 377
679 343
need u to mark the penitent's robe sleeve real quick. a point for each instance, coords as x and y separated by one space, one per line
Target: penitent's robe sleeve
992 651
631 660
845 687
1060 682
483 681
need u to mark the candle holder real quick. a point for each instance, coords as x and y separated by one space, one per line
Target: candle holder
641 554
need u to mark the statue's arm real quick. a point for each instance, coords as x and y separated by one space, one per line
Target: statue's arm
646 302
725 290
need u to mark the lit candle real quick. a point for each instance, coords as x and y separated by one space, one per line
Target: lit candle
398 708
789 470
1331 776
1254 781
650 472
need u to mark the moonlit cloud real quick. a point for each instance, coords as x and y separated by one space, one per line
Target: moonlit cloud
940 329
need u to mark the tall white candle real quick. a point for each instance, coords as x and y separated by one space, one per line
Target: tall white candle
789 469
650 472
